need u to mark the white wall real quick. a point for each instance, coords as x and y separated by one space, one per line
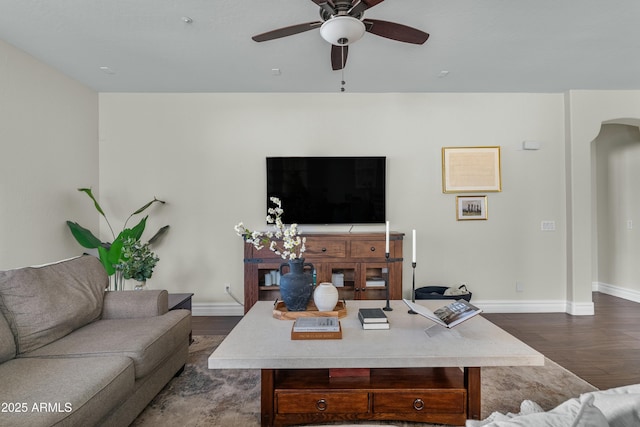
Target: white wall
585 114
204 154
618 207
48 137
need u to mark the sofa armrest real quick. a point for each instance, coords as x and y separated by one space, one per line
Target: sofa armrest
135 304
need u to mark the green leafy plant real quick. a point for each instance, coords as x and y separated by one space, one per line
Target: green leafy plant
111 252
137 261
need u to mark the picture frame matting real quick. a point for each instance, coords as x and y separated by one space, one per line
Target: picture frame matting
471 169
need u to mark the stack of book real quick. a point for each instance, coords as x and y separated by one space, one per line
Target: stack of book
375 282
373 318
316 328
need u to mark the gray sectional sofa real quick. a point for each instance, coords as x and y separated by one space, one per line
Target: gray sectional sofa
72 354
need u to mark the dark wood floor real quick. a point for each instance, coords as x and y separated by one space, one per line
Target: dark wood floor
602 349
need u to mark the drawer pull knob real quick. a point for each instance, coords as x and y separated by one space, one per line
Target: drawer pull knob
373 248
418 404
321 405
324 249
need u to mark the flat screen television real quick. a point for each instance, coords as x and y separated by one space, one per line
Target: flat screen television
328 190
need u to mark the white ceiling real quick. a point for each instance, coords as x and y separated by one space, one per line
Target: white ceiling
485 45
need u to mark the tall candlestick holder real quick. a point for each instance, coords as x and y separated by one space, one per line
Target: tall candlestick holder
387 307
413 287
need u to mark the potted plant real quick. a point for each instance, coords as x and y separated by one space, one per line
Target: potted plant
110 253
137 261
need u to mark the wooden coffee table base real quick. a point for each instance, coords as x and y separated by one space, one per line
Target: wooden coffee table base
432 395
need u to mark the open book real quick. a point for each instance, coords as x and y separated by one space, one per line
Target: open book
449 315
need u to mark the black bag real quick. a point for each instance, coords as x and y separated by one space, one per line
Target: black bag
437 292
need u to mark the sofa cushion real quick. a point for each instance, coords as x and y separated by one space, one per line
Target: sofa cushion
63 392
7 341
43 304
147 341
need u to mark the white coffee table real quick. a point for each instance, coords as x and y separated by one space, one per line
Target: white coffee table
418 371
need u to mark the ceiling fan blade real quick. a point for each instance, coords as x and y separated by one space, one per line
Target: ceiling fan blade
339 57
286 31
371 3
363 5
399 32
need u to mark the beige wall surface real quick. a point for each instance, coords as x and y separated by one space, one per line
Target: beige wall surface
49 143
205 155
585 114
618 205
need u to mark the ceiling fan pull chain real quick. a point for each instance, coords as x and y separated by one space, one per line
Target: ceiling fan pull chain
342 89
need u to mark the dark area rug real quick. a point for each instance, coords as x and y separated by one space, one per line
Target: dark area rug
231 398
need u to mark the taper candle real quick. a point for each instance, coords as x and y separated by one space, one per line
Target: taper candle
386 247
414 247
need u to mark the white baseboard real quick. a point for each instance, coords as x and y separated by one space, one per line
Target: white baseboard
233 309
560 306
217 309
617 291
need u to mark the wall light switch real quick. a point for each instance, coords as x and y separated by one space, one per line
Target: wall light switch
531 145
548 226
629 224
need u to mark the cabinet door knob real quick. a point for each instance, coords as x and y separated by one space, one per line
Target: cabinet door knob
324 249
418 404
373 248
321 405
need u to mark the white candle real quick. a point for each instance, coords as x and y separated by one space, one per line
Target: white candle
386 247
414 246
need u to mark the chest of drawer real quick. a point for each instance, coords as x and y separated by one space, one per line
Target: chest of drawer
329 402
326 248
451 402
368 249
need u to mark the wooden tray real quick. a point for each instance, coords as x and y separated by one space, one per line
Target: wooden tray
316 335
280 311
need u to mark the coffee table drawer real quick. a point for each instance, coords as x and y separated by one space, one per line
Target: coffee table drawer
449 402
318 402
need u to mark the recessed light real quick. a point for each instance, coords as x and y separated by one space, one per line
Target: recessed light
443 73
107 70
187 20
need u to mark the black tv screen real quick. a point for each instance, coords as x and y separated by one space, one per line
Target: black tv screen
328 190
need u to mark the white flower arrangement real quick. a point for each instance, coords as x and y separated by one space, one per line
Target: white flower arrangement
284 241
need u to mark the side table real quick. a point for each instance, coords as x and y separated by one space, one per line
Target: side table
181 302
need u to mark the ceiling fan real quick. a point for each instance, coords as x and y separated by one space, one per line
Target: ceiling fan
343 23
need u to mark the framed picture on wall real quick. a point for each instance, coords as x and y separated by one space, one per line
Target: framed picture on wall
471 208
467 169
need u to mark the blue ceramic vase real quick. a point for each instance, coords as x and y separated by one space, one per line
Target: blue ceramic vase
296 286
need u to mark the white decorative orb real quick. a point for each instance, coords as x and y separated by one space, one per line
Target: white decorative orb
325 296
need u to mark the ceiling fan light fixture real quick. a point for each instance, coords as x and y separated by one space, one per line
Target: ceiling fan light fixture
342 30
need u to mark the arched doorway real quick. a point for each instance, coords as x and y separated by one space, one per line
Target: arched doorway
616 173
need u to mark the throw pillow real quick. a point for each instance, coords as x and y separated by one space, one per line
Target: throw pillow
43 304
572 413
620 405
